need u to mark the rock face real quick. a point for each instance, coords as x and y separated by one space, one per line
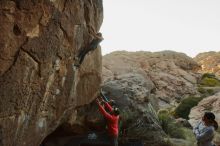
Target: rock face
49 65
138 119
137 81
209 61
171 73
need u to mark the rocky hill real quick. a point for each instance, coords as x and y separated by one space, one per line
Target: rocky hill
209 61
50 64
170 75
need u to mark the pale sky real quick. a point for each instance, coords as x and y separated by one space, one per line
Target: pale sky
188 26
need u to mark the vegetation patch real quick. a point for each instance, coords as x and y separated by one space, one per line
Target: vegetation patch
170 127
202 90
209 80
210 91
190 137
205 92
208 75
183 109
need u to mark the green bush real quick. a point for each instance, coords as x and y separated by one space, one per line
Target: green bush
210 91
170 127
208 75
205 92
163 111
209 82
202 90
183 109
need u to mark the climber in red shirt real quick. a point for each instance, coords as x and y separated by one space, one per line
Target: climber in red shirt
112 119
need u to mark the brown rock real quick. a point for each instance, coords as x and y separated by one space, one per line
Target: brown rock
39 85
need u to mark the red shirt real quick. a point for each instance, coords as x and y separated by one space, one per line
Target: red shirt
112 120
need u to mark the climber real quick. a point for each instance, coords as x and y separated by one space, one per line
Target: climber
96 39
204 130
112 119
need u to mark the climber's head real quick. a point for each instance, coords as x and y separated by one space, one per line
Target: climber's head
209 119
115 111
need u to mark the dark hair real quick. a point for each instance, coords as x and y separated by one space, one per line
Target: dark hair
210 116
116 111
215 125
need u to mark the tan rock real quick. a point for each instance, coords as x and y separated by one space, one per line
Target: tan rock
209 61
173 74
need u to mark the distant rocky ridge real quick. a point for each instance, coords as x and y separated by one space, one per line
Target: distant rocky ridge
173 75
209 61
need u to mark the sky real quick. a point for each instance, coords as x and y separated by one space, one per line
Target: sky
188 26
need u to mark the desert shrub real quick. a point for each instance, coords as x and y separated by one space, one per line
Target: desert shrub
169 126
210 82
210 91
190 137
183 109
163 111
205 92
128 117
167 142
208 75
201 90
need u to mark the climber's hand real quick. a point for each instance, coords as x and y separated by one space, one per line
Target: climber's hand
97 101
102 100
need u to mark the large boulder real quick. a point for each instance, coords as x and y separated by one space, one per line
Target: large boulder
209 61
173 74
132 93
50 63
138 119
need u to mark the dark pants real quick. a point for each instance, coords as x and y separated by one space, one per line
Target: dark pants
113 140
